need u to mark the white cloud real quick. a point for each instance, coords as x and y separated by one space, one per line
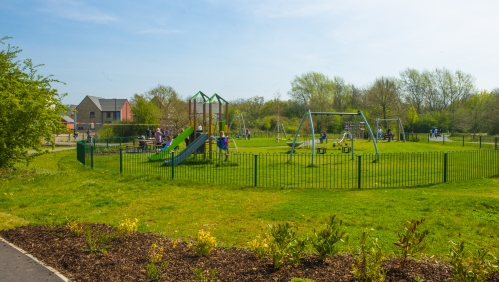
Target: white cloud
76 10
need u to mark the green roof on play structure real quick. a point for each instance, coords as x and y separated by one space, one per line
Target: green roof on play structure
210 100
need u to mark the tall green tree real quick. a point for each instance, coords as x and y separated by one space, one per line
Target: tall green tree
313 91
144 111
414 88
173 110
384 97
30 109
412 117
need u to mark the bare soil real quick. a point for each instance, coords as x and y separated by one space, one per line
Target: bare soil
125 258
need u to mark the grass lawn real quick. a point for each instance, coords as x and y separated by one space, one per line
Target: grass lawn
57 188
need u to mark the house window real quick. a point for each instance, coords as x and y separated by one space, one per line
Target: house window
116 115
108 114
80 127
92 114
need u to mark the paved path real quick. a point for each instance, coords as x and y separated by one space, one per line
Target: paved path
55 149
17 266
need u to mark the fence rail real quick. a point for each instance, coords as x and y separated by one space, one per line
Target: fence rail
328 171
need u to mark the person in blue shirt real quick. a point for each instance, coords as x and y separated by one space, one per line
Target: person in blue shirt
223 144
323 136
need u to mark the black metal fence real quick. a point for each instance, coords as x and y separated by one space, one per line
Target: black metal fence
328 170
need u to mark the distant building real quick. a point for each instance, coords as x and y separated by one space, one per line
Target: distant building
68 122
93 112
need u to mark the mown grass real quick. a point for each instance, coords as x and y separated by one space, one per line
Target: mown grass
57 188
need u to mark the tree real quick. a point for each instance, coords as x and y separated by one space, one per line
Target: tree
413 84
144 111
384 96
30 109
412 117
313 91
173 109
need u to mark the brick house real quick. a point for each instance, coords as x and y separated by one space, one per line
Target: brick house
93 112
68 122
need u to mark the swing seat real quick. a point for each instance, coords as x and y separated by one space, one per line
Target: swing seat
321 150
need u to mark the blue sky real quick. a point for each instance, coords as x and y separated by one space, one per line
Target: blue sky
241 49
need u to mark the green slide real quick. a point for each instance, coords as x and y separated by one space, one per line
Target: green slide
175 142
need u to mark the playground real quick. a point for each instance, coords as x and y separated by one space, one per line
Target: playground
356 156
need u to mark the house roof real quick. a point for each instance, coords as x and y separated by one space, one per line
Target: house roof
111 105
96 101
67 119
107 105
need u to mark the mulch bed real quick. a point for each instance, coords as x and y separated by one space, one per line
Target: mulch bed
127 256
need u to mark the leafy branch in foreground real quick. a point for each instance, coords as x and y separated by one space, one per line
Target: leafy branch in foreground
30 109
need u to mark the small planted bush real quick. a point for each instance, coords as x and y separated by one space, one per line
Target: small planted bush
324 241
368 257
98 241
75 227
476 267
205 243
156 264
284 245
202 277
260 246
411 241
127 226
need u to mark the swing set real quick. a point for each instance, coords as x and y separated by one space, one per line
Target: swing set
309 114
400 128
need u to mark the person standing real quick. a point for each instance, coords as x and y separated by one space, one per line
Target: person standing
186 139
89 136
148 133
248 133
158 136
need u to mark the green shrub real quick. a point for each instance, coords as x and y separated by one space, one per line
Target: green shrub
324 241
411 241
469 269
368 258
284 245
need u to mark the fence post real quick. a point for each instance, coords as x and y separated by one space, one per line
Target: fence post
480 141
173 164
463 140
495 143
445 167
429 135
443 139
359 170
256 171
121 160
91 156
107 143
